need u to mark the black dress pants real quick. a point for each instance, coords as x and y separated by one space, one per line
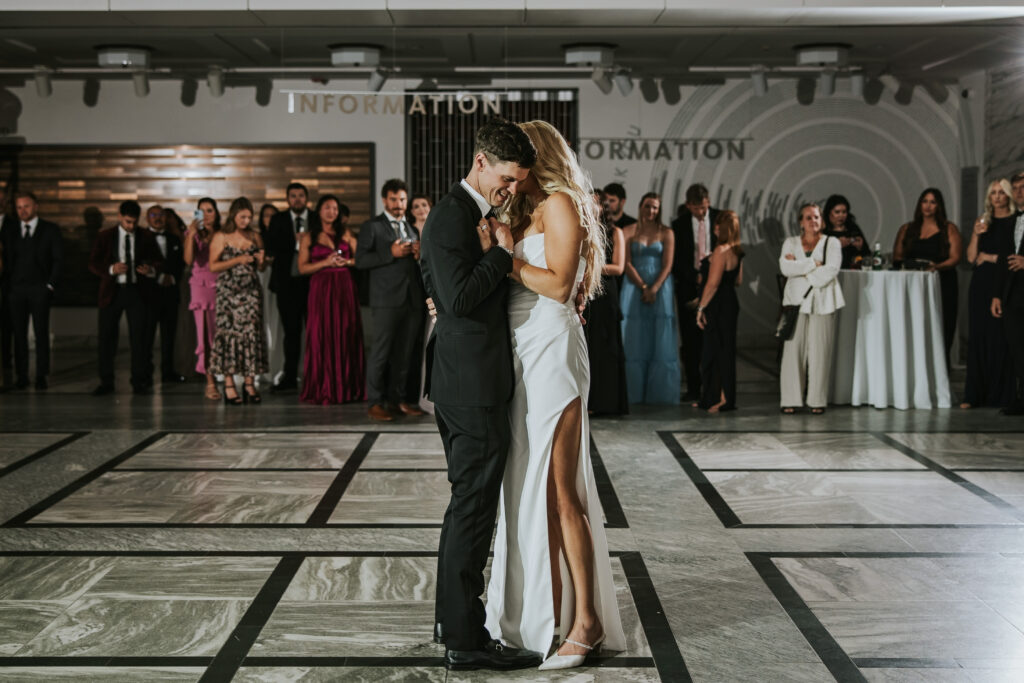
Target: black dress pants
31 301
6 332
127 300
476 442
1013 324
291 304
165 316
692 338
396 331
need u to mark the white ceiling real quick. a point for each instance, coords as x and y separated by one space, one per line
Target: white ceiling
918 38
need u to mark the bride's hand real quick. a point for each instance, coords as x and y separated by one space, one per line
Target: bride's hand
484 233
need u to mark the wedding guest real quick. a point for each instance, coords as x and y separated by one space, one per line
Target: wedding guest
717 314
267 213
32 253
203 286
931 242
236 254
989 371
695 240
648 322
334 367
389 248
419 209
842 225
615 207
127 260
173 223
289 286
272 325
1008 301
8 221
165 313
811 262
608 393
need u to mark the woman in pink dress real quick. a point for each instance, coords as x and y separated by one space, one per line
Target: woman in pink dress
203 285
335 369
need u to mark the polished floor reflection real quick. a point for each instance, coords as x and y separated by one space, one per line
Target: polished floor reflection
163 538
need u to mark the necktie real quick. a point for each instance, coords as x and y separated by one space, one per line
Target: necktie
702 236
298 224
294 270
128 260
26 232
399 227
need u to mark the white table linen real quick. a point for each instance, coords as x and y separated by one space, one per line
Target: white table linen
888 345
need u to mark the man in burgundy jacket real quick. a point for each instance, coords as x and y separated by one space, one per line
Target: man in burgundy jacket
127 261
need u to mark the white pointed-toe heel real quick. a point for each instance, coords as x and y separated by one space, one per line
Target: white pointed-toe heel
557 661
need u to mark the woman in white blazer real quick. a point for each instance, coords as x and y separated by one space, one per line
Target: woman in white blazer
810 261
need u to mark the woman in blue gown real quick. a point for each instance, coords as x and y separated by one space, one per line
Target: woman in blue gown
648 313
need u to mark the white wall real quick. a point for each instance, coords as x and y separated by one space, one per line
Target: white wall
879 156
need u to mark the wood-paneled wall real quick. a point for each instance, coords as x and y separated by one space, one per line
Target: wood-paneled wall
80 187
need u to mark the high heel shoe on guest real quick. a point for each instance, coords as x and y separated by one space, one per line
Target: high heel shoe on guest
236 401
251 395
557 661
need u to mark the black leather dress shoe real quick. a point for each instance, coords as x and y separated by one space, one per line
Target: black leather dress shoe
439 633
103 390
493 655
284 386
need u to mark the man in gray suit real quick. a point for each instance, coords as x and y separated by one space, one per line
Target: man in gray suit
389 248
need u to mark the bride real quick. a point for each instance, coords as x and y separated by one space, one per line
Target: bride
551 575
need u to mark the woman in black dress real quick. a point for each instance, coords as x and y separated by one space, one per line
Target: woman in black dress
931 242
717 314
841 224
603 330
989 375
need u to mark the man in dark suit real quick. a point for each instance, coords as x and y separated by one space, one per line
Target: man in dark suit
470 378
1009 301
291 288
6 325
695 240
32 260
165 314
389 249
127 261
614 204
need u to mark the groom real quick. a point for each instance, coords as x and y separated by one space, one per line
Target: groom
470 379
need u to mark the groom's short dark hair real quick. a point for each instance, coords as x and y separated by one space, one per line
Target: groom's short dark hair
504 141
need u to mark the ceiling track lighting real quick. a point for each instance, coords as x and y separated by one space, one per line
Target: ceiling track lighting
759 80
215 81
670 89
649 89
44 81
827 81
377 80
603 80
623 82
857 84
140 80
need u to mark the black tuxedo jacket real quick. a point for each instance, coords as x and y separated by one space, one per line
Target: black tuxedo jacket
1010 284
280 244
683 272
469 356
174 261
393 282
104 254
44 250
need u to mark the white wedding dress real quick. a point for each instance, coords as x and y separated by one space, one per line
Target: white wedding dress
551 369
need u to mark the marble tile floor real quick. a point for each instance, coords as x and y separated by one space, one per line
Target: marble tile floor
164 538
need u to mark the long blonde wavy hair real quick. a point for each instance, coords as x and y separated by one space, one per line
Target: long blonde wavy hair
558 170
1007 188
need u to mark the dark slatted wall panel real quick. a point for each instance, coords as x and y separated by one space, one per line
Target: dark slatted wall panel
440 146
81 187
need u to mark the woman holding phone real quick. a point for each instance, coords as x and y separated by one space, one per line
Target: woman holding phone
335 366
203 285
